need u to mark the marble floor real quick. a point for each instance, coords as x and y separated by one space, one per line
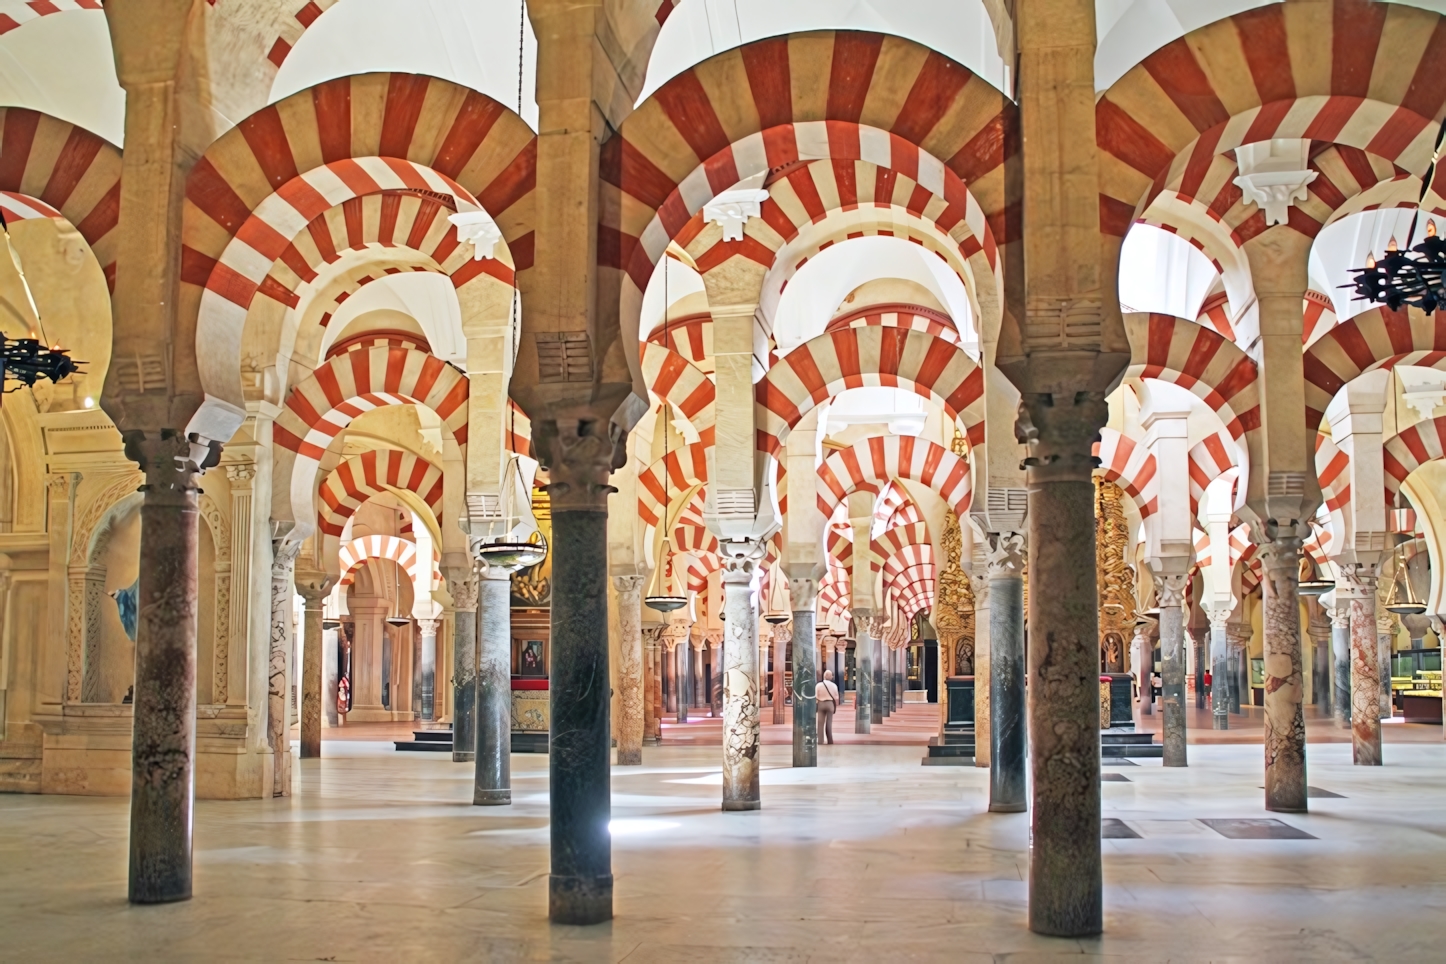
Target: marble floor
870 857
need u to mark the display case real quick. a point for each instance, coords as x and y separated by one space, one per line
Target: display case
1422 702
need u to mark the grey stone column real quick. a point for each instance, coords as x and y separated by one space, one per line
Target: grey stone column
1356 584
1238 634
804 594
1170 590
278 730
740 693
163 735
313 585
780 640
1220 671
331 674
876 665
700 690
1066 888
1285 775
427 671
462 585
650 687
1340 614
1200 641
630 669
1006 558
492 783
715 645
683 674
1144 665
863 672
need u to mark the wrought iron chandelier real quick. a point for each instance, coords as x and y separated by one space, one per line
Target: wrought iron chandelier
1415 277
27 360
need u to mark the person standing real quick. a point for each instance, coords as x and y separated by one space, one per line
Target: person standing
825 694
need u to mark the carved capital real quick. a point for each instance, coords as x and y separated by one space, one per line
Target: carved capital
171 462
1170 590
1355 580
1385 622
579 455
241 475
1340 614
1005 555
878 625
803 594
428 627
1219 616
629 585
1059 431
462 587
314 585
740 558
283 560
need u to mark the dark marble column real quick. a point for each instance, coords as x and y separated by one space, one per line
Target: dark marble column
683 676
1171 593
1238 634
1200 641
1006 558
580 888
876 666
492 778
462 585
1285 777
1144 666
741 734
1065 883
863 672
1220 670
804 593
278 692
163 738
1357 585
313 585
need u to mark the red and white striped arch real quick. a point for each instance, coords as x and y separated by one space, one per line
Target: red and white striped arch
518 435
1332 470
894 541
839 547
1211 458
1199 360
836 361
872 462
381 338
293 26
56 168
683 385
16 13
1320 317
359 552
1408 451
911 317
1378 338
360 477
260 184
1128 463
1343 72
669 477
690 336
17 207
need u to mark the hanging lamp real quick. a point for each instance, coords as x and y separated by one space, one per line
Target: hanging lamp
1401 603
522 545
664 598
27 360
777 611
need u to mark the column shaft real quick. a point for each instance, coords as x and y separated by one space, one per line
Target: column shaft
864 673
631 723
312 684
805 683
1341 663
1220 670
1285 777
1172 655
492 781
876 665
427 669
1365 680
462 584
278 675
580 888
1006 688
740 694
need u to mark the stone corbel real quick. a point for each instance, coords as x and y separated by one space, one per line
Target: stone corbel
1274 175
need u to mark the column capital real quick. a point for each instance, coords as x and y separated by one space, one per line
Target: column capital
428 627
803 594
1059 430
462 587
1005 554
1170 590
314 585
1340 614
242 475
628 585
1356 580
171 461
741 558
283 559
579 455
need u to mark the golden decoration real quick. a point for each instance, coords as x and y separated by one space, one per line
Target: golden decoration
954 605
1116 577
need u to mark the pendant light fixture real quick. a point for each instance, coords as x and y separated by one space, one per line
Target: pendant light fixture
522 545
1402 599
777 611
664 598
1415 276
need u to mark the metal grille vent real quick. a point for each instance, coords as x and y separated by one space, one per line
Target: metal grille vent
563 356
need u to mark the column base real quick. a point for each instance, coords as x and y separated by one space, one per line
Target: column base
579 900
630 758
461 757
650 741
1008 808
491 798
741 805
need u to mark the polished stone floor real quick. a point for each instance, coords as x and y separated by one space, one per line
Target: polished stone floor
871 857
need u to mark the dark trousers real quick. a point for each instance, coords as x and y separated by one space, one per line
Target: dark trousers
825 721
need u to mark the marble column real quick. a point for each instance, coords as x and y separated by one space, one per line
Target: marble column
1340 614
1065 875
804 594
1006 557
631 715
740 694
163 734
1144 665
427 671
682 675
781 635
1319 631
242 476
650 688
331 674
580 887
279 663
864 672
1170 589
1357 584
462 585
313 585
1285 772
700 689
715 645
1385 632
1238 634
1220 667
492 777
876 666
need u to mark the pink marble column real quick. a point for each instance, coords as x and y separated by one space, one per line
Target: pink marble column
631 724
1285 778
1357 583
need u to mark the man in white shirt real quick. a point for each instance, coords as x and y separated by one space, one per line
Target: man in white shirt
826 696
